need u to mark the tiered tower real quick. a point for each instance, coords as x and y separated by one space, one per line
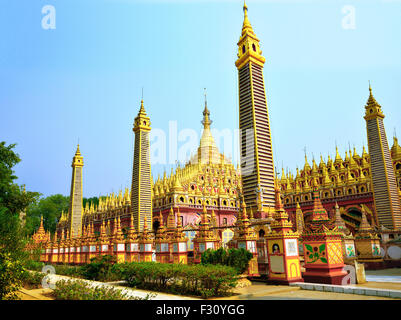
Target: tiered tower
75 209
385 193
141 191
257 166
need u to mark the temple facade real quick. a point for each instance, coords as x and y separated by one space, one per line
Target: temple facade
198 203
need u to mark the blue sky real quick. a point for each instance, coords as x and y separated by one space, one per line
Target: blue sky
83 80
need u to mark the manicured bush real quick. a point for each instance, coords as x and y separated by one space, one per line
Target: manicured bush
100 269
236 258
80 290
200 280
34 265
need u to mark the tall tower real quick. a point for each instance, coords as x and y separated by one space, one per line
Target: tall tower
75 209
385 193
257 166
141 191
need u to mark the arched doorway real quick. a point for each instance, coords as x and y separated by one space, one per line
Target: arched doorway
156 225
352 218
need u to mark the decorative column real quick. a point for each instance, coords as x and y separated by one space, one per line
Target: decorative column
205 238
103 241
324 260
93 250
131 243
170 232
282 247
61 255
118 242
368 244
77 250
162 243
179 243
67 244
145 244
54 258
48 248
246 238
84 246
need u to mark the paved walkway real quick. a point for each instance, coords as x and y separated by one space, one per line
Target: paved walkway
262 291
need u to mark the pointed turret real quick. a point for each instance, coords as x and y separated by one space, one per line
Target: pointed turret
339 222
337 160
207 150
299 218
373 108
364 226
396 150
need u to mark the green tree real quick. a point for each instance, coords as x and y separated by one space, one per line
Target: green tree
12 195
13 200
50 208
94 200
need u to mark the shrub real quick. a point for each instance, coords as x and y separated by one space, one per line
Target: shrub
10 277
32 280
100 269
201 280
34 265
80 290
68 270
236 258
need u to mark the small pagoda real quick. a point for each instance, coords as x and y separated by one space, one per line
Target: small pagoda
282 247
367 244
162 242
245 237
205 238
322 243
348 241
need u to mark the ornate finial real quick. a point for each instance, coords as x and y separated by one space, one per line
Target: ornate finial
206 113
142 109
370 88
246 27
78 152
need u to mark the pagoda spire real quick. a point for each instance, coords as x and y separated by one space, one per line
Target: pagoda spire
206 113
246 26
339 222
364 226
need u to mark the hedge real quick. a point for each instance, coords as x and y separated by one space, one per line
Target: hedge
80 290
199 280
236 258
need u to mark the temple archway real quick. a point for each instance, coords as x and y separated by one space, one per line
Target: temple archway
352 217
156 225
